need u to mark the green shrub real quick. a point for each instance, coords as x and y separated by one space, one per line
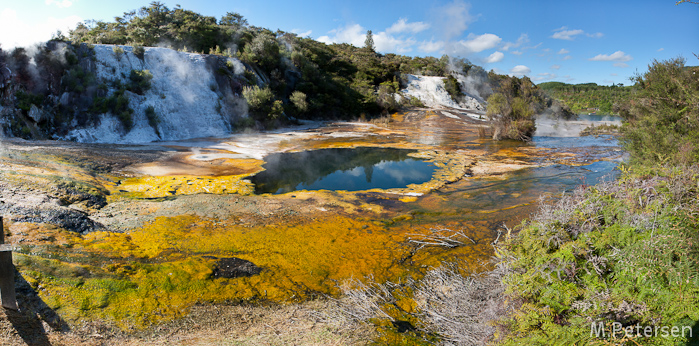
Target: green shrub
298 99
139 52
511 109
663 117
25 100
257 97
139 81
118 51
153 119
619 252
451 85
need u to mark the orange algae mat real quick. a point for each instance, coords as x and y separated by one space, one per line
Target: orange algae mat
306 242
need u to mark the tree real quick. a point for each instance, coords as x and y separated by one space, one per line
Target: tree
369 41
233 19
663 116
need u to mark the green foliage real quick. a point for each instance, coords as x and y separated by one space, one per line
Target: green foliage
369 41
512 109
663 117
387 96
139 81
25 100
118 51
451 85
153 119
262 51
619 252
257 97
339 81
590 97
298 99
119 105
139 52
261 103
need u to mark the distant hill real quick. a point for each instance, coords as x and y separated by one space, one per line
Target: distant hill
589 97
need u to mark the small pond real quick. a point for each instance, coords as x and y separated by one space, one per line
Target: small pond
350 169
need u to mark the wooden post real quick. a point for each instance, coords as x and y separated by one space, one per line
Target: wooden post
7 274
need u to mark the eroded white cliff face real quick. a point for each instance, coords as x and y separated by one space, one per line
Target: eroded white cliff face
183 94
430 90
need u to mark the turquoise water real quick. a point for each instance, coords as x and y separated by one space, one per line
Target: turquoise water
348 169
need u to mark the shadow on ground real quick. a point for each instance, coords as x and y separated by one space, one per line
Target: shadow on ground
34 318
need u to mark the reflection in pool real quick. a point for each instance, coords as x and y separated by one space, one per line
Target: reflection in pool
341 169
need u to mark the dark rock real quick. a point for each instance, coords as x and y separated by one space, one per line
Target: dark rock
69 219
233 267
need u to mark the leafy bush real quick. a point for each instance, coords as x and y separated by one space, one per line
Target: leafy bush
25 100
261 103
663 117
257 97
118 52
451 85
298 99
139 81
512 118
619 252
387 96
139 52
153 119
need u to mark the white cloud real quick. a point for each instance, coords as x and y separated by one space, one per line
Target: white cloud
520 70
495 57
475 44
14 32
387 43
523 39
431 46
555 67
353 34
613 74
595 35
60 3
532 47
616 56
621 64
302 34
563 34
402 26
563 51
544 76
661 49
452 20
516 52
567 57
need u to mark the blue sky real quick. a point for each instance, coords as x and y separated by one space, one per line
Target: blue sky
569 41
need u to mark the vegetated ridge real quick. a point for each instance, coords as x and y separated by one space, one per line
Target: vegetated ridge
108 82
590 98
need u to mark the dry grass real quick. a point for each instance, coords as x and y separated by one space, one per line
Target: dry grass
298 324
459 308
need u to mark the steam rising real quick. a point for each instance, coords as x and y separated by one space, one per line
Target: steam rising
184 93
548 126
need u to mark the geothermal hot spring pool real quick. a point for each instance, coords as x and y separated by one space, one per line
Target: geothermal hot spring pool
312 207
350 169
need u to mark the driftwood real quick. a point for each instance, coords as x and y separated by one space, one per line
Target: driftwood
7 274
439 237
